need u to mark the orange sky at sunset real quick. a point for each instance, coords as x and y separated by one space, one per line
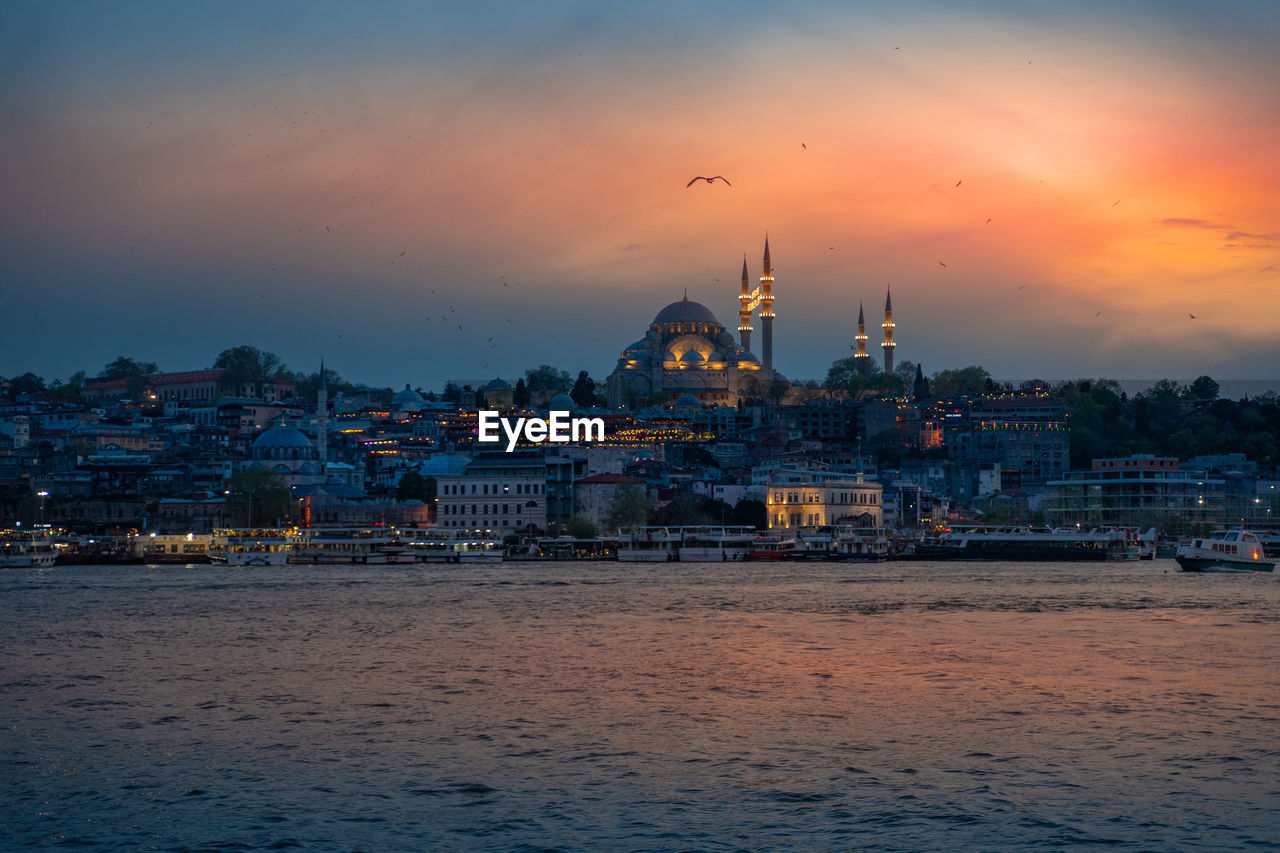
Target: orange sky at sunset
1127 171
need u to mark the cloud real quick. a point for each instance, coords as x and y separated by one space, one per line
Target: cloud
1196 223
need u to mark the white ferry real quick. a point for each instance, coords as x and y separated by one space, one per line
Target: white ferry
26 549
477 546
174 548
1069 544
250 547
862 544
1229 551
340 545
649 544
429 546
815 543
716 544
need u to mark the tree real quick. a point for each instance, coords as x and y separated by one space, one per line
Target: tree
520 394
415 487
584 390
263 493
629 507
544 382
124 368
249 368
1166 390
971 379
1203 388
452 393
859 377
27 383
580 528
752 512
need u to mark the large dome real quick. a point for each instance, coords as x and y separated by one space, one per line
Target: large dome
685 311
281 436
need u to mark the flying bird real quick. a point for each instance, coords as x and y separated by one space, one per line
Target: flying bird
1022 287
1117 201
802 145
988 221
1192 316
709 180
402 253
940 263
959 182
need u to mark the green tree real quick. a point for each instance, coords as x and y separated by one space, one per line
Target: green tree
124 368
520 394
752 512
415 487
1203 388
584 390
27 383
971 379
580 528
1166 390
629 507
248 369
544 382
261 495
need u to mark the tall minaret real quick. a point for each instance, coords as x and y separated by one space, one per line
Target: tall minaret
887 325
860 339
766 310
744 309
322 419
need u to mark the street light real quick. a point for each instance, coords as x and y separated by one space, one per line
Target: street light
42 495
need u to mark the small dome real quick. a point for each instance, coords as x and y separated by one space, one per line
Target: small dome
748 357
562 402
725 339
685 311
638 345
692 356
408 395
669 356
498 384
281 436
687 401
716 357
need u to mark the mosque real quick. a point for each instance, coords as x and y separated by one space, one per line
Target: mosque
687 355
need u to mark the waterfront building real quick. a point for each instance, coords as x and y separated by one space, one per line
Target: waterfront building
1139 490
502 492
809 497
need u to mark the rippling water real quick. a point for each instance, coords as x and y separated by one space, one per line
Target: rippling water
603 706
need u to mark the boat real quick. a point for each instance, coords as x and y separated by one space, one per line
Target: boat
26 549
772 547
731 544
429 545
861 544
181 548
1225 551
477 546
815 543
251 547
1061 544
649 544
339 545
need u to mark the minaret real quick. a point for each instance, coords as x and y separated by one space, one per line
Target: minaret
322 419
744 309
766 311
887 325
860 339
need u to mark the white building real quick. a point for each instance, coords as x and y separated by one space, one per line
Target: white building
815 498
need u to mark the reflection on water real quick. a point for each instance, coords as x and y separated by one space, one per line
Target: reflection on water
610 706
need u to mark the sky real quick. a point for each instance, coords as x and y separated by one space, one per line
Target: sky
418 191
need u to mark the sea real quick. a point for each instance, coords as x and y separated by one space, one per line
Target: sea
624 707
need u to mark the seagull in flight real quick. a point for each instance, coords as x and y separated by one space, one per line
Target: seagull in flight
1192 316
940 263
709 180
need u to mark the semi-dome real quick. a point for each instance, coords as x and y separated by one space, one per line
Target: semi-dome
685 311
281 436
692 356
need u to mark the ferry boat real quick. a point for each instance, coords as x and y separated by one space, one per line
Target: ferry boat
815 543
340 545
174 548
429 546
1070 544
477 546
1228 551
772 548
862 544
26 549
251 547
649 544
716 544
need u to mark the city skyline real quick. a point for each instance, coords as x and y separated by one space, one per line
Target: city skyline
1049 192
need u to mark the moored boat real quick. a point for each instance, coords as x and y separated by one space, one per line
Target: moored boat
26 549
1227 551
250 547
339 545
158 548
730 544
1062 544
648 544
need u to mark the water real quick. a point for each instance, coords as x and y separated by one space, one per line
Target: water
605 706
